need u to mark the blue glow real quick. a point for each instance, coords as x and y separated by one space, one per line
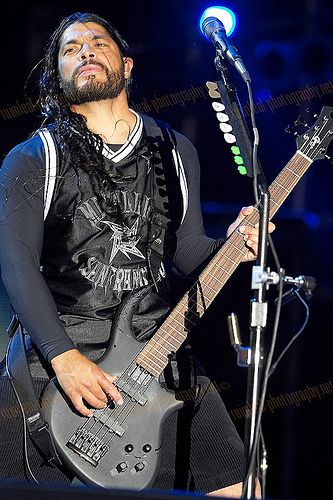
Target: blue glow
262 94
225 15
312 220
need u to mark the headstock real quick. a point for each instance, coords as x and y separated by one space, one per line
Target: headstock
315 141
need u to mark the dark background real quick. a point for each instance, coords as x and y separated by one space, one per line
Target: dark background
287 47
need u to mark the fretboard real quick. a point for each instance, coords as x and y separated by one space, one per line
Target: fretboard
172 333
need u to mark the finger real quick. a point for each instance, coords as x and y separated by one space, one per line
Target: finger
106 382
111 378
253 246
244 212
80 406
92 400
98 393
250 256
248 230
271 226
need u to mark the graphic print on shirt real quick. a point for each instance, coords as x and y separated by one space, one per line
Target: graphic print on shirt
124 239
122 244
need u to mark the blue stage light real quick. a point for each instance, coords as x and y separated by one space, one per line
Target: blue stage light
225 15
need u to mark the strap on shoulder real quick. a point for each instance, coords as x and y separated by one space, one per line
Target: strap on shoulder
51 163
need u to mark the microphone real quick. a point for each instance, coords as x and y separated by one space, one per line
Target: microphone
215 32
305 284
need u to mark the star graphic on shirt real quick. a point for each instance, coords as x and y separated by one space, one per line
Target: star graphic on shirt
124 239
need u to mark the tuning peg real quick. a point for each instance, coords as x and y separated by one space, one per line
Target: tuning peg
300 122
291 129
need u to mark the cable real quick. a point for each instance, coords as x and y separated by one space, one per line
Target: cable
255 143
273 368
263 465
258 430
265 377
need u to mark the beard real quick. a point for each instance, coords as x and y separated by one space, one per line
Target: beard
93 90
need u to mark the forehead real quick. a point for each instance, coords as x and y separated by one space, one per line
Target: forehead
78 31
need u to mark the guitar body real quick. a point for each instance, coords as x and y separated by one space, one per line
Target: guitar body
118 447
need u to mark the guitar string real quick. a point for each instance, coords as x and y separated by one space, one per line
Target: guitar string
208 283
302 164
205 285
202 290
121 408
116 412
113 414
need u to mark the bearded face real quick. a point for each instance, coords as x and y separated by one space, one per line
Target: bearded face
91 67
93 89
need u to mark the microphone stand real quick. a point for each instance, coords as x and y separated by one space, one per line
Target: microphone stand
258 326
254 358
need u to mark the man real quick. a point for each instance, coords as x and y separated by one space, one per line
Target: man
100 203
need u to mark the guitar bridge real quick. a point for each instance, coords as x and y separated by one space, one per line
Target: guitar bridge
88 446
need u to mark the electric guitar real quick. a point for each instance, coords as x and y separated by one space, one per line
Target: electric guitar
119 446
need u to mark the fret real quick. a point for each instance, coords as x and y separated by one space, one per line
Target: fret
180 321
232 260
166 333
171 335
169 325
289 176
223 269
160 346
160 365
292 172
147 366
282 187
166 341
206 285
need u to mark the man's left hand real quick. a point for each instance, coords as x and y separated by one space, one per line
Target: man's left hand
250 234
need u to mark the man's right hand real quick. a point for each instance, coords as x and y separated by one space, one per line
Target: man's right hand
82 379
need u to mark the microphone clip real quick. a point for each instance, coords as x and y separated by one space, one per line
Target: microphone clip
301 284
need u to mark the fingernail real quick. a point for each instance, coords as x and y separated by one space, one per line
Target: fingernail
242 229
120 401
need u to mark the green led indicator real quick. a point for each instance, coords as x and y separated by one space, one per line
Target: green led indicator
242 170
239 160
235 150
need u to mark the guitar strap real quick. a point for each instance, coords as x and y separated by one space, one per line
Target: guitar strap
20 378
162 143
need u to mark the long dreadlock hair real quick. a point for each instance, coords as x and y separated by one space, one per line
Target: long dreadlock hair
78 145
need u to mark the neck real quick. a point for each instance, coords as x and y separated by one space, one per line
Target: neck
111 119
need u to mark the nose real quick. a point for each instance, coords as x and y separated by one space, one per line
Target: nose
87 52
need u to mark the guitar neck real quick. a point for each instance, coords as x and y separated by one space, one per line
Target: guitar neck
170 336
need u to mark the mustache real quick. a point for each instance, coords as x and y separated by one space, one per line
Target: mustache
86 63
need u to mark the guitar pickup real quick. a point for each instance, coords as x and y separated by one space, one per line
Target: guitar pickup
132 390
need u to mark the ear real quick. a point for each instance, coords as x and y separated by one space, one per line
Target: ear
128 62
